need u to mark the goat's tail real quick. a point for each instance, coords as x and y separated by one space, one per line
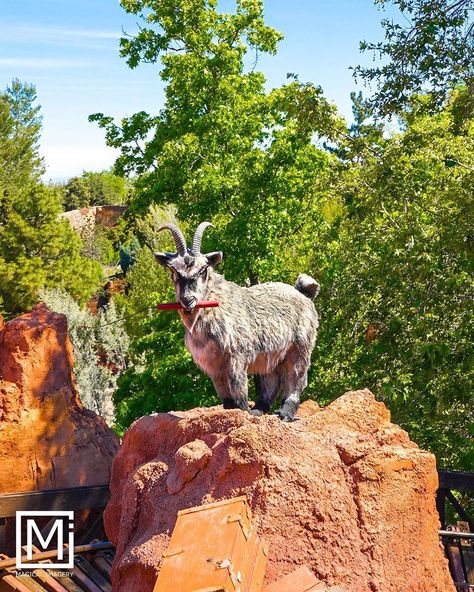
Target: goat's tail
307 286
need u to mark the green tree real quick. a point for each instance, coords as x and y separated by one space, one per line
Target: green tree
430 48
76 194
397 305
36 248
95 189
222 148
20 127
382 220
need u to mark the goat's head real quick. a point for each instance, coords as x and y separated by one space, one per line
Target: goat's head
189 267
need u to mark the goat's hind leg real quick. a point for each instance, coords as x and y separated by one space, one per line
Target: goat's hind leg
269 385
233 390
295 379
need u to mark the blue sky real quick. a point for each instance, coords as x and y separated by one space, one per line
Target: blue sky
69 50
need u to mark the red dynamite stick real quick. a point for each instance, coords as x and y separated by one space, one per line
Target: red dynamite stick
179 306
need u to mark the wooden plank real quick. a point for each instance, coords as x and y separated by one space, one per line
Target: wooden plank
9 562
50 583
221 547
102 565
458 480
108 555
93 573
64 581
40 582
455 562
84 581
29 582
12 584
73 498
468 560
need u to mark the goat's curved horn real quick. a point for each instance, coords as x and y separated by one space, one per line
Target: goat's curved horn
178 236
197 240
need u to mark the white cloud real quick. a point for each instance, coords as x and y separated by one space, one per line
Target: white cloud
60 32
36 34
43 63
65 161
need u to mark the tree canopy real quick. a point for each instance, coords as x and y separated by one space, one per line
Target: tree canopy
397 314
429 49
222 148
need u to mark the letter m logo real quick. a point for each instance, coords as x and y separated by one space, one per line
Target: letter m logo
60 532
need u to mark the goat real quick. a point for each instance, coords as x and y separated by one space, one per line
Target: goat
268 329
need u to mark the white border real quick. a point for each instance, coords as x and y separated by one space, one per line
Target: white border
39 513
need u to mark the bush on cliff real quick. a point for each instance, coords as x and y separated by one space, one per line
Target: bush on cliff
100 350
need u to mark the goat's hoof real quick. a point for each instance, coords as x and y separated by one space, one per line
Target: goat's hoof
256 412
286 417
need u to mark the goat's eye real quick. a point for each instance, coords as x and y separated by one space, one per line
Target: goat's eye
204 273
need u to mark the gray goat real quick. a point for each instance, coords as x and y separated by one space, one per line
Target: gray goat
268 329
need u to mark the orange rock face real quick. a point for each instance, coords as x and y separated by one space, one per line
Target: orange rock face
47 439
342 491
106 216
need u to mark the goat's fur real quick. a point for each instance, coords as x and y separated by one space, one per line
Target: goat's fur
267 329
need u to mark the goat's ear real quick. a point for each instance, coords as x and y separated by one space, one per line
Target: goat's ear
164 259
214 258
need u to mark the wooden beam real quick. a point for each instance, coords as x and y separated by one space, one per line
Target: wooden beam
36 557
457 480
441 506
74 498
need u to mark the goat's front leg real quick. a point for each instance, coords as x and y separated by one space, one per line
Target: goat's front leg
233 389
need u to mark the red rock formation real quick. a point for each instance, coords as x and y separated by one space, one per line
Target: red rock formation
47 439
342 491
107 216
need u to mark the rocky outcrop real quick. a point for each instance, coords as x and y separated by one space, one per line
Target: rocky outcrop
47 438
106 216
342 490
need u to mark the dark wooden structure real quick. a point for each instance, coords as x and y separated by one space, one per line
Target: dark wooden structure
87 502
458 539
93 555
91 572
